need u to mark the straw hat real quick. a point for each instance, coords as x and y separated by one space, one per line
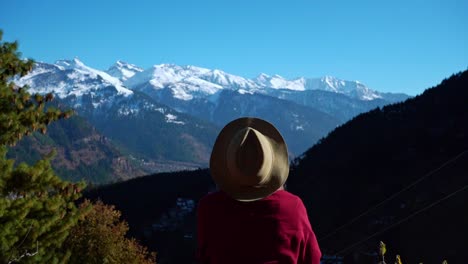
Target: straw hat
249 160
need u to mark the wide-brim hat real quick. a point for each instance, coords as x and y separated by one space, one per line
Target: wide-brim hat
249 160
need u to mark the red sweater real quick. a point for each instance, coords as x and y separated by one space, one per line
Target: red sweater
275 229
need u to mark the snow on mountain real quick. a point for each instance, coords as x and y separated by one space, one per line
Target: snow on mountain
228 80
73 77
353 89
188 82
181 80
92 91
161 75
278 82
67 78
170 118
123 71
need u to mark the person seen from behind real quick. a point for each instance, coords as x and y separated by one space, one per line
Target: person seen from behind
251 218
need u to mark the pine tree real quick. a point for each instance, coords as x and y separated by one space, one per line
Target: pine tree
37 208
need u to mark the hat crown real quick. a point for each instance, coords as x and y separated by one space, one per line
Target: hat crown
249 157
249 160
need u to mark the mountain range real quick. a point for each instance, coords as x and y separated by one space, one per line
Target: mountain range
166 117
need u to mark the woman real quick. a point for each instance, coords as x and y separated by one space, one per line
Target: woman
252 219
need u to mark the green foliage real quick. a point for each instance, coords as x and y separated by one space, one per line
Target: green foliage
37 208
21 112
100 238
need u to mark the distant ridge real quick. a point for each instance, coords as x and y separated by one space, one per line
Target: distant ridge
189 82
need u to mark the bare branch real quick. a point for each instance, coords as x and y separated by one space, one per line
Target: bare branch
26 254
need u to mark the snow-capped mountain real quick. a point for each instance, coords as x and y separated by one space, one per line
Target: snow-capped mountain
132 119
196 90
278 82
89 90
353 89
189 82
123 71
171 114
167 82
73 79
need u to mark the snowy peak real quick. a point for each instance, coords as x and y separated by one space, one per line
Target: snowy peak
278 82
262 77
333 84
123 70
67 78
70 64
187 82
353 89
228 80
181 82
159 76
82 70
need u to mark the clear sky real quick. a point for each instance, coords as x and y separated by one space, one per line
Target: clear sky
398 46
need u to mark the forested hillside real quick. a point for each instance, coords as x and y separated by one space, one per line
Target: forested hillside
81 153
382 152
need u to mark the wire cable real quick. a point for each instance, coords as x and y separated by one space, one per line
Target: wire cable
403 220
392 196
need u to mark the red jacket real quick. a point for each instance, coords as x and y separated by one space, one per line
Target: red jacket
275 229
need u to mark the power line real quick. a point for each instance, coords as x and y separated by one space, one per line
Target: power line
393 196
403 220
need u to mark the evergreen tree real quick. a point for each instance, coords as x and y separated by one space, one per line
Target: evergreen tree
37 208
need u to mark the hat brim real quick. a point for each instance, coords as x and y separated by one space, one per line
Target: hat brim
218 163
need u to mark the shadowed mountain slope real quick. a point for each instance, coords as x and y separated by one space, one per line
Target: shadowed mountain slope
381 152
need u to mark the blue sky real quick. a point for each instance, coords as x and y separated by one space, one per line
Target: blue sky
398 46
